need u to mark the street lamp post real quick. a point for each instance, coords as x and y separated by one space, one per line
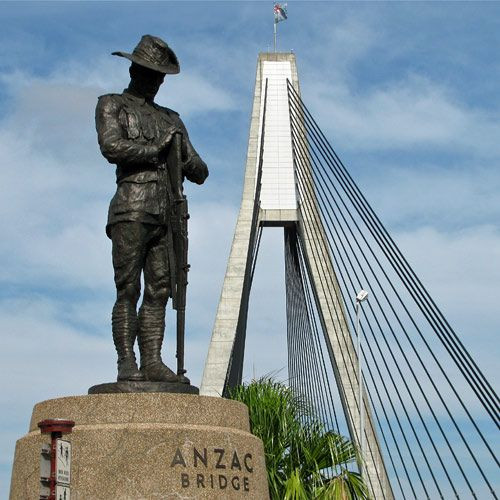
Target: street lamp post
362 296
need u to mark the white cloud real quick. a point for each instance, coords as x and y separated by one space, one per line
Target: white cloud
348 42
192 94
413 112
57 188
54 206
55 218
452 197
461 271
59 185
42 358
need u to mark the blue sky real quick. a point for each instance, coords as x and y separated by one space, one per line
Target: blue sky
407 92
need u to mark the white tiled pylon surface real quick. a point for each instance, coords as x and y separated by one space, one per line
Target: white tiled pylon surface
278 183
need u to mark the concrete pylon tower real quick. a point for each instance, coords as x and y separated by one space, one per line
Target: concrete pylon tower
271 198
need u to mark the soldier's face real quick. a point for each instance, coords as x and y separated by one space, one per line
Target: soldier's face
146 81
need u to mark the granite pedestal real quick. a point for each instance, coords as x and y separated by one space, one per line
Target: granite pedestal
127 386
133 446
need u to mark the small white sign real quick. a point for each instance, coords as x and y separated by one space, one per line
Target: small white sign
45 462
63 462
62 492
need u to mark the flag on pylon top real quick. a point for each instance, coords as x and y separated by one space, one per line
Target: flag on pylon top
280 12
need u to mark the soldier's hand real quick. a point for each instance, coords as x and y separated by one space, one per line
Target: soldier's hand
167 137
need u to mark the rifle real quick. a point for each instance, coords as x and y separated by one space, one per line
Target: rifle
179 223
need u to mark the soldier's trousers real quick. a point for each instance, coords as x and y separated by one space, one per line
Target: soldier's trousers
139 248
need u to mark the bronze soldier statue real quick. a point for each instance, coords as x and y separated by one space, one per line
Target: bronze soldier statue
138 135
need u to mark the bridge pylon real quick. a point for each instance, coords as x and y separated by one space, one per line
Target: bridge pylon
273 195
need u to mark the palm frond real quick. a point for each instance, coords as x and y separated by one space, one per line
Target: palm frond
300 453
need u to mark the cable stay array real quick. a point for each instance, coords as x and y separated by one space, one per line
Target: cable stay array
430 409
429 416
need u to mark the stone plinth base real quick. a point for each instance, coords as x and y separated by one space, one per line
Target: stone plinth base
134 446
127 386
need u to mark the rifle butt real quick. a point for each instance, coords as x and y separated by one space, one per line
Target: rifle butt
181 324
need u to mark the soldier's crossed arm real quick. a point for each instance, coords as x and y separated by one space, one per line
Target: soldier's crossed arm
115 147
194 168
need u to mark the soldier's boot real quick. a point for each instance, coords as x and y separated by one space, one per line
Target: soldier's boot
151 331
124 326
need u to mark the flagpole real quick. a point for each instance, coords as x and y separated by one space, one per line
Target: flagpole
275 29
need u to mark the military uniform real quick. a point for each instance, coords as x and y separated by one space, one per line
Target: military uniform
130 129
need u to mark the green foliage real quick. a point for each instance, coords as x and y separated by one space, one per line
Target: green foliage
300 456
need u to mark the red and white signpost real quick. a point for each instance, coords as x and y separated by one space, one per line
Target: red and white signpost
55 460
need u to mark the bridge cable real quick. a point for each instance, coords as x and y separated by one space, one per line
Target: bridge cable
321 259
412 347
455 342
389 373
365 240
470 451
295 278
306 199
